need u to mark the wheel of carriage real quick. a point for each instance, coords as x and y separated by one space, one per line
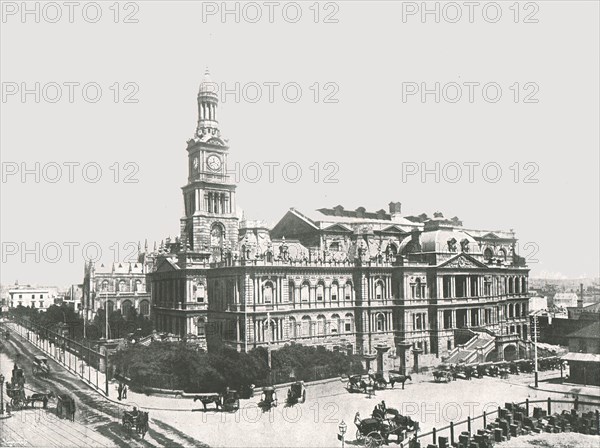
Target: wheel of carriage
127 425
373 440
359 437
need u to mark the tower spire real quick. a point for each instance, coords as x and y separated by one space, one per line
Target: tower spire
208 101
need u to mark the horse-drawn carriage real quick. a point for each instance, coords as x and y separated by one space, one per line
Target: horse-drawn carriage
357 383
40 365
136 419
228 401
268 399
16 388
296 393
384 424
380 381
443 373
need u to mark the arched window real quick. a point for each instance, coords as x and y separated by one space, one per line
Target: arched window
379 290
200 291
335 290
511 310
517 285
293 330
511 285
122 286
418 291
268 292
138 286
348 291
380 322
349 323
126 307
144 308
306 326
335 324
200 326
488 254
320 291
292 291
105 285
523 285
269 257
392 250
321 325
305 292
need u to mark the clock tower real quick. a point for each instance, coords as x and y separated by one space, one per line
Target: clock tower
210 225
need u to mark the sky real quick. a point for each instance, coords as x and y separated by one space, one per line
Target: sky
488 114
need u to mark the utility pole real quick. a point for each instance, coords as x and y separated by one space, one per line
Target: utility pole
535 341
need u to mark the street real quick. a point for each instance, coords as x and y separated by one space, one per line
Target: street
180 422
97 421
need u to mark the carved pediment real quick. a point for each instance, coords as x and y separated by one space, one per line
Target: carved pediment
463 261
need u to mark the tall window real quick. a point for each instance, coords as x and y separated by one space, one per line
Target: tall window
122 286
144 308
306 326
293 329
335 324
200 292
348 291
474 286
334 291
379 290
320 324
320 291
380 322
447 285
305 292
268 292
348 327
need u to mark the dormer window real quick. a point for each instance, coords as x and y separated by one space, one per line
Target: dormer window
452 245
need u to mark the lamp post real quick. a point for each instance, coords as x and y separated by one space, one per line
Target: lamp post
342 427
1 394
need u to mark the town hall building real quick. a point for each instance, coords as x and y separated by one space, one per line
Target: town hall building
412 287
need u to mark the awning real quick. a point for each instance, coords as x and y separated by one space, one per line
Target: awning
583 357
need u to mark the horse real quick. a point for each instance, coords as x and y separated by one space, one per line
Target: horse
216 399
399 379
141 424
43 397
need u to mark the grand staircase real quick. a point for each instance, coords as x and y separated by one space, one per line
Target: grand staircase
475 347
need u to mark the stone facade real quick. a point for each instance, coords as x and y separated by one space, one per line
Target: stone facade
350 280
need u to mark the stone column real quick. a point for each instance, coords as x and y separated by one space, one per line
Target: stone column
381 349
402 350
416 353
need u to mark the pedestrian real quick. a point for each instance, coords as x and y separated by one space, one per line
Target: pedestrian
120 390
125 392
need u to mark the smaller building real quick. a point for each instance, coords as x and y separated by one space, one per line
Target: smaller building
584 355
31 296
537 303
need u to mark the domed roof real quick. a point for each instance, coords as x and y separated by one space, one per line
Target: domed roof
207 85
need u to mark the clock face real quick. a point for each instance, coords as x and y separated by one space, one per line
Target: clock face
213 162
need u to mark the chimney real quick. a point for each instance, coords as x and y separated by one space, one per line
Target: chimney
395 209
580 298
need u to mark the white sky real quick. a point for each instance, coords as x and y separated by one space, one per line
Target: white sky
369 133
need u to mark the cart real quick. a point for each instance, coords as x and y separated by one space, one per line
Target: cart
268 398
65 407
296 393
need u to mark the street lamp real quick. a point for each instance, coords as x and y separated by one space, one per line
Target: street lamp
1 394
342 427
